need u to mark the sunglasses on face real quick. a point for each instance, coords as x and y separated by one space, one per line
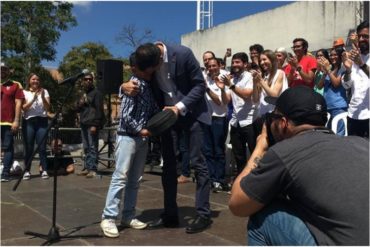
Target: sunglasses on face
88 79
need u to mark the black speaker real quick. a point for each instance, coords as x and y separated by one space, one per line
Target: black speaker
109 74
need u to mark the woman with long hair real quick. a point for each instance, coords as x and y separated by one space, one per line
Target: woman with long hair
35 121
334 92
320 70
271 82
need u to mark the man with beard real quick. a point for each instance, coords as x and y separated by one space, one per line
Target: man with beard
356 78
309 188
240 93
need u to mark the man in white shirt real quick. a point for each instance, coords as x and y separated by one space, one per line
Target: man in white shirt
241 89
356 78
215 134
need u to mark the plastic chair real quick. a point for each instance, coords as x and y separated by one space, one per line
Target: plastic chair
336 119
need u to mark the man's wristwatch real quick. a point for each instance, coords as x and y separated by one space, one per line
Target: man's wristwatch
363 66
232 87
299 68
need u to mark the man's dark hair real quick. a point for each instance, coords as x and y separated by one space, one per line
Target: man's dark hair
210 52
147 55
132 59
216 59
242 56
256 47
364 24
304 43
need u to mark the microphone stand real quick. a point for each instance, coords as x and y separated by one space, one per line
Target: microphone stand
53 236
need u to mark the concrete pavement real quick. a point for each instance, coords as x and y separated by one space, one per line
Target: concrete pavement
80 202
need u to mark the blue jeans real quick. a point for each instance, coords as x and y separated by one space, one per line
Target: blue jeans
214 148
7 146
90 144
277 224
35 128
341 127
130 161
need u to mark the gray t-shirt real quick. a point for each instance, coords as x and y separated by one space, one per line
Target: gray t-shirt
326 178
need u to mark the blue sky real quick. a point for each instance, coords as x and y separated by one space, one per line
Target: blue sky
101 21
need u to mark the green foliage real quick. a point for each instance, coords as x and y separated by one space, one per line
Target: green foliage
30 31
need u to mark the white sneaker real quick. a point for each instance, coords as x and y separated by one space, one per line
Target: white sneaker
109 228
44 175
135 224
26 176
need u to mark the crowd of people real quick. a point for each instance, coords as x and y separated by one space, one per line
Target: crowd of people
278 107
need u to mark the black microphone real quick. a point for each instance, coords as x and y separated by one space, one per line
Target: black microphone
73 79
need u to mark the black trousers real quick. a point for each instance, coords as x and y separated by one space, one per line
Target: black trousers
239 137
358 127
194 130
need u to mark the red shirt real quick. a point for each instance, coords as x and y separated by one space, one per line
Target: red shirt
10 91
307 63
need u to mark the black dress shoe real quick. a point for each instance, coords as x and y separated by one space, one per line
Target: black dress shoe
169 223
199 224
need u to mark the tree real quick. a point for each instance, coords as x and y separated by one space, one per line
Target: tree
131 36
30 31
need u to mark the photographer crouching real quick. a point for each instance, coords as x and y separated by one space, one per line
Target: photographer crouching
309 188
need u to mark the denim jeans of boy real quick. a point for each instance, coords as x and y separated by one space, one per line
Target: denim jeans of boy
277 224
130 161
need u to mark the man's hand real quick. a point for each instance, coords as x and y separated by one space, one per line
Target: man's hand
219 83
173 108
355 56
347 62
145 133
130 88
93 130
226 79
15 126
293 62
262 140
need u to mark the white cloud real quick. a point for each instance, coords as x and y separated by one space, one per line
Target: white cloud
84 5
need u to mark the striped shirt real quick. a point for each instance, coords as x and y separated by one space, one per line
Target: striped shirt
136 110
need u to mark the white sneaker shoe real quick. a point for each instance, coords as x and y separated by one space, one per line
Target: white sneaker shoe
26 176
44 175
109 228
134 224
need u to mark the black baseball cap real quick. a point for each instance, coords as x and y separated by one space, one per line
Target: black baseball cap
302 105
161 121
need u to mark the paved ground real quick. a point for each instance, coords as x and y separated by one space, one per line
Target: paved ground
80 203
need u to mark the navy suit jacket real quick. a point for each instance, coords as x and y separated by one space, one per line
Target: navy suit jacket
190 85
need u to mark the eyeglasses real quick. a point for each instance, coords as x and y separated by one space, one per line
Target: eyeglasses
364 36
296 47
88 79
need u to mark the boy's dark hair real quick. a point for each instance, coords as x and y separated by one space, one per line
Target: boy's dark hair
147 55
242 56
256 47
362 25
132 59
220 61
304 43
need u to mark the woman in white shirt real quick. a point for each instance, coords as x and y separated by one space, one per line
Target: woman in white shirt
35 121
270 82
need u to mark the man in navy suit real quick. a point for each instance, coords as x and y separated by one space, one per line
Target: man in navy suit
179 85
